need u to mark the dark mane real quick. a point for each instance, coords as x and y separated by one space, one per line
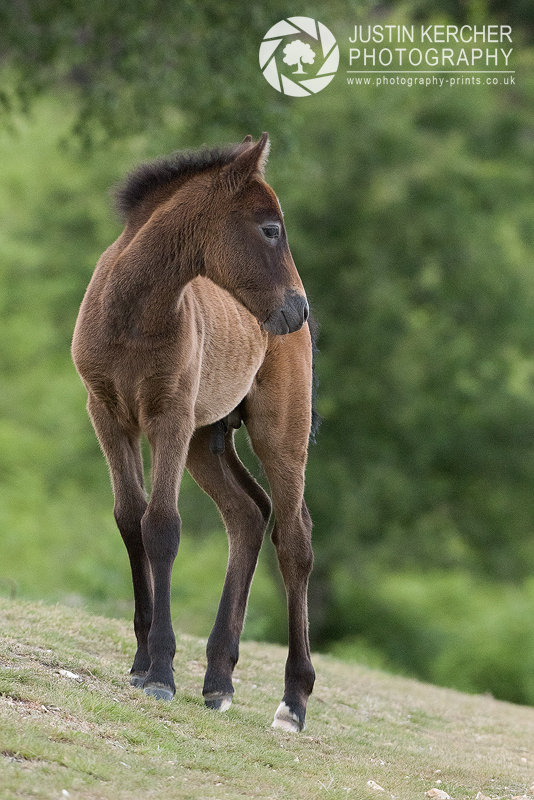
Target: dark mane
147 177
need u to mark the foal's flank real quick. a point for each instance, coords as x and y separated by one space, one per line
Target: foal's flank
196 317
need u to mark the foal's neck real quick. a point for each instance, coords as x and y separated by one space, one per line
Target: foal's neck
149 276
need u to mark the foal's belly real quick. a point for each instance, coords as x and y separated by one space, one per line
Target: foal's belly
233 349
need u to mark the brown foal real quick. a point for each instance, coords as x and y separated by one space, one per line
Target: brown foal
195 320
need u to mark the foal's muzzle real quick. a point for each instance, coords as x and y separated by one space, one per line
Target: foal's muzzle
290 317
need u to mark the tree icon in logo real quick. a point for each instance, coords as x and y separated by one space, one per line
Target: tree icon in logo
304 38
297 51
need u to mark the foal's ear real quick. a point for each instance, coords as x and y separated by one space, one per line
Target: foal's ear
250 160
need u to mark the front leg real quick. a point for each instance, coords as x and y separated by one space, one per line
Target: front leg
278 418
123 455
284 467
160 529
292 540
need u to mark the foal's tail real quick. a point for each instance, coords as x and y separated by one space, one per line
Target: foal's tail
316 417
219 429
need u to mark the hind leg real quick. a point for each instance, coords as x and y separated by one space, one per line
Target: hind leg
245 509
124 458
278 419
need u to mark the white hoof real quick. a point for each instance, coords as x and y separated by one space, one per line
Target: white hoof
286 720
218 701
226 702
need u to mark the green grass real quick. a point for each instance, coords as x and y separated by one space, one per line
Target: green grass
95 737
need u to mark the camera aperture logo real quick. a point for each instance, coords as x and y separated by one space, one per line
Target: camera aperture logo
299 56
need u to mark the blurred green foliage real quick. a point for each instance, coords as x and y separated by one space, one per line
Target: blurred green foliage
131 63
409 212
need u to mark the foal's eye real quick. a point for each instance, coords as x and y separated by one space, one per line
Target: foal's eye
271 231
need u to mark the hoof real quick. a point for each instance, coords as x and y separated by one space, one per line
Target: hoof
286 720
137 679
159 692
218 701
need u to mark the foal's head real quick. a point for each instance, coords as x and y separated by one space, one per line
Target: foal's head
222 221
246 250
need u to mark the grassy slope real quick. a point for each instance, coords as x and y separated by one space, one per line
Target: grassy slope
96 737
